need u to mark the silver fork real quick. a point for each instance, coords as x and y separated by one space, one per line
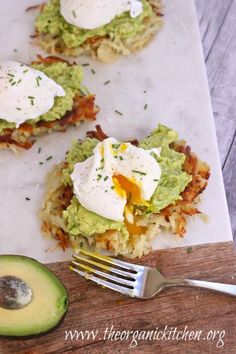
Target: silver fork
132 279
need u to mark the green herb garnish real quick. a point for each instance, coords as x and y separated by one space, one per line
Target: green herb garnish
115 146
38 78
31 99
118 112
139 172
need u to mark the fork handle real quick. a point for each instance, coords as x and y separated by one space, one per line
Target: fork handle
229 289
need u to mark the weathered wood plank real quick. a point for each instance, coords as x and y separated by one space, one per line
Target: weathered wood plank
229 173
94 308
218 29
218 33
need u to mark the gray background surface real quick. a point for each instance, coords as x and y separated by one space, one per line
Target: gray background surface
217 20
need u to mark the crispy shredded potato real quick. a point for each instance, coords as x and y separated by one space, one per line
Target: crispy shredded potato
103 48
173 218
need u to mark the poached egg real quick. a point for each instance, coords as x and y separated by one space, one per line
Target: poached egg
115 178
25 93
91 14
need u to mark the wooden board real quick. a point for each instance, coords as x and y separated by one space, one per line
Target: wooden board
95 308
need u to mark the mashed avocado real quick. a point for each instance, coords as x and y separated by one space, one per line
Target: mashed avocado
50 21
81 220
172 182
69 77
173 179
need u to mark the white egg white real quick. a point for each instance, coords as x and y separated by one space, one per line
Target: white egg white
25 93
91 14
96 181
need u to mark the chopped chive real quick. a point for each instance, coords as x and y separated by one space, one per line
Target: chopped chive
156 180
102 160
10 75
112 187
82 92
118 112
93 71
145 107
19 81
22 64
11 80
18 108
189 250
40 163
48 158
121 158
13 83
38 78
107 82
115 146
106 178
15 50
85 64
25 71
106 190
74 14
139 172
39 150
31 100
27 198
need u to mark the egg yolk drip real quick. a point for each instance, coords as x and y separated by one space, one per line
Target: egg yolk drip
129 189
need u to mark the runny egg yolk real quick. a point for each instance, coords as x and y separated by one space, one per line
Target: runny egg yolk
129 189
134 229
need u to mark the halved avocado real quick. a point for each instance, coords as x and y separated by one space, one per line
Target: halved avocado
49 298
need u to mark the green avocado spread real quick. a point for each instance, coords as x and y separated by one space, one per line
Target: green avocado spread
50 21
70 78
172 183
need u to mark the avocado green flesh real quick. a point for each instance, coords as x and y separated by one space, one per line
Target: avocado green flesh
70 78
49 302
50 21
172 183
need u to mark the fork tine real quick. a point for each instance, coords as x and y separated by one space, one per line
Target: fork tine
126 266
104 283
121 281
105 267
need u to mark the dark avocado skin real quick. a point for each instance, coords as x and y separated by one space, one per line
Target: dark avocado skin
51 277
